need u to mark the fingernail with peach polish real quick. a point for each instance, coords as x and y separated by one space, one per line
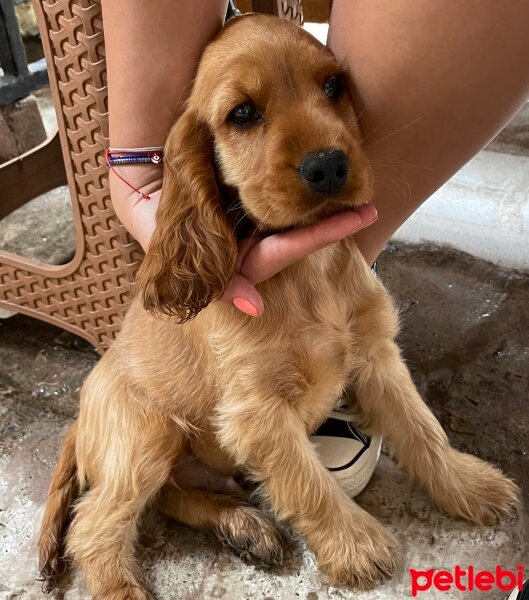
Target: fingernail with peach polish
245 306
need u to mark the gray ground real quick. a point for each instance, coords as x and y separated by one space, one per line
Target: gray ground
464 334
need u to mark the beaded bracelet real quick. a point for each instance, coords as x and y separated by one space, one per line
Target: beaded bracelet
133 156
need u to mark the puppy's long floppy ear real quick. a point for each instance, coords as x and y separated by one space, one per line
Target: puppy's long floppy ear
191 257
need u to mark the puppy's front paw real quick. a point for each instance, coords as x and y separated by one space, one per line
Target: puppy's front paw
476 491
358 552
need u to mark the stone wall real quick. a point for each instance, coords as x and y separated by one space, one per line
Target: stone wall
21 128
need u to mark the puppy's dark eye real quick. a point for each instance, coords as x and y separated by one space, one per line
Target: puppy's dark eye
332 87
245 114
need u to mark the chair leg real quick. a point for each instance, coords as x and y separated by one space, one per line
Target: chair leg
286 9
89 295
35 172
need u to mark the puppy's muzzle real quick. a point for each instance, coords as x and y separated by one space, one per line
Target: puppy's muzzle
325 172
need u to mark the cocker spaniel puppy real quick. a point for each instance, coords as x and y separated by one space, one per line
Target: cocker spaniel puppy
269 137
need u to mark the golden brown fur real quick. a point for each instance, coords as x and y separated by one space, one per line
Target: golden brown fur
242 393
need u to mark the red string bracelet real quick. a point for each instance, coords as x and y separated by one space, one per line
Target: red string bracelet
132 156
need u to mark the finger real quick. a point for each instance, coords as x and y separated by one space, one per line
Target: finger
243 295
243 247
276 252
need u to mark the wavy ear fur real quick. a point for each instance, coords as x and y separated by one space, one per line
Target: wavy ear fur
191 257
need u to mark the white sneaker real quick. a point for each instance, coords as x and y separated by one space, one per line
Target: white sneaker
350 455
516 594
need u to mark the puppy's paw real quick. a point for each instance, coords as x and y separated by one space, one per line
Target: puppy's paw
247 531
359 553
476 491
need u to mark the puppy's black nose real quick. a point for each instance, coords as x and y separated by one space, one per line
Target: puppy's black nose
326 172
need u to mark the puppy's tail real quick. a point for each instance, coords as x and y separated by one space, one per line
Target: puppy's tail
64 489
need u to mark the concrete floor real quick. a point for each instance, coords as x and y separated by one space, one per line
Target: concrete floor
465 336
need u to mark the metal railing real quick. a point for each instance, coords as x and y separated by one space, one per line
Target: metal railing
18 78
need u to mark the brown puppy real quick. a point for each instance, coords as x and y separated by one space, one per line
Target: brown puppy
269 119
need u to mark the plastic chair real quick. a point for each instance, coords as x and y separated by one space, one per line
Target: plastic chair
87 296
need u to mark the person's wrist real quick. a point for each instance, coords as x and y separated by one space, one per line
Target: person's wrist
147 178
137 215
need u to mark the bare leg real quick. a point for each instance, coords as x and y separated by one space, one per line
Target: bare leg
433 83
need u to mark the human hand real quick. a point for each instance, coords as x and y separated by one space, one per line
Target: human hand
258 259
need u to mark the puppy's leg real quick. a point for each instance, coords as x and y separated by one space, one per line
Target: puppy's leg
129 461
459 483
268 436
241 526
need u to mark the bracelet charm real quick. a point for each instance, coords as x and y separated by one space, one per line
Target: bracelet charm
116 157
